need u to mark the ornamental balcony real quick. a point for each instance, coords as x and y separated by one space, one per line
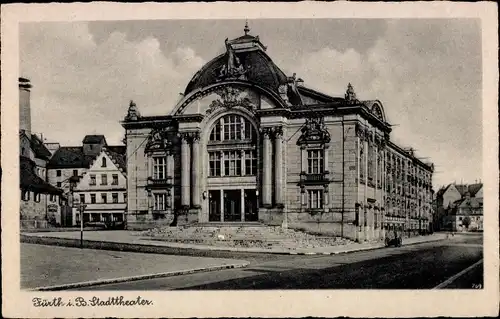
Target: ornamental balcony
314 179
160 182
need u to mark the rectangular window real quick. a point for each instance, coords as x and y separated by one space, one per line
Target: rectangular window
233 127
125 197
92 180
75 172
115 197
104 179
58 172
315 197
159 167
115 179
160 200
25 195
104 198
232 163
37 197
59 184
250 163
315 161
82 198
214 163
92 198
52 198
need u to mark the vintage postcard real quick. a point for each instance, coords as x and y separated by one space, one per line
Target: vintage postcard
250 159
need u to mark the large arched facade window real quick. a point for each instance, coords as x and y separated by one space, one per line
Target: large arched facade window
232 147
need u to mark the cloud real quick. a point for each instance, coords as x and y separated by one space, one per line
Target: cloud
77 81
428 76
427 73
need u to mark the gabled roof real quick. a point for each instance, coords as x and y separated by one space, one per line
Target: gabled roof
465 203
28 180
119 149
70 157
462 189
118 159
36 144
94 139
474 188
73 157
39 148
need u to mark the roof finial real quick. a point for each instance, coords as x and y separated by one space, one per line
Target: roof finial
246 29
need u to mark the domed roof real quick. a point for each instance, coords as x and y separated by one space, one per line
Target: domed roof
245 59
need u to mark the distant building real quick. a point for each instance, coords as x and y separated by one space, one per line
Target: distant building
68 161
248 144
41 203
460 207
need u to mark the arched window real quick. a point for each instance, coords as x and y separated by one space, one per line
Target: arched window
240 160
232 128
103 162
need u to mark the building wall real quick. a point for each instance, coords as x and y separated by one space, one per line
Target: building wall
450 196
99 210
369 208
455 223
47 208
137 174
66 173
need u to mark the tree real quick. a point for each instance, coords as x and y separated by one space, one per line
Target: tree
466 222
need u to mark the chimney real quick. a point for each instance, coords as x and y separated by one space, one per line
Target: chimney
25 106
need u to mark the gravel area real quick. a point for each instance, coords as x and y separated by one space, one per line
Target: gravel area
247 237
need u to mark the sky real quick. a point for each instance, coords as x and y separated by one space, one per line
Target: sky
426 72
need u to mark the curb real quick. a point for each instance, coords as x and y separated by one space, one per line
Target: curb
450 280
140 277
45 240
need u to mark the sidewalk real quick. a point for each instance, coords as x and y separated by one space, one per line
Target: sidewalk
56 268
128 237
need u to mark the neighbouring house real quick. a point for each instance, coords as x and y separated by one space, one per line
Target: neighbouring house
103 189
41 203
249 144
76 161
460 207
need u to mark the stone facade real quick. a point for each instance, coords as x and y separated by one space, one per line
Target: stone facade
249 144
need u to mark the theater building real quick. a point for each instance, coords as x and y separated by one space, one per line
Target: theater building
248 144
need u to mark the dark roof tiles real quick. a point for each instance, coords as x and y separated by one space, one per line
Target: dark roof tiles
94 139
28 180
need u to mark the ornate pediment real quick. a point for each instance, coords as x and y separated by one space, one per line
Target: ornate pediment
229 97
314 131
158 141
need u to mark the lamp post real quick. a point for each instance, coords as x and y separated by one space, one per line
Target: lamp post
75 203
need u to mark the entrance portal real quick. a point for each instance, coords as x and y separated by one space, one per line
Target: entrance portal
232 205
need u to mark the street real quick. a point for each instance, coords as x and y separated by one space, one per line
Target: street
421 266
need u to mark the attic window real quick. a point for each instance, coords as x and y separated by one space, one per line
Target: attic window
103 162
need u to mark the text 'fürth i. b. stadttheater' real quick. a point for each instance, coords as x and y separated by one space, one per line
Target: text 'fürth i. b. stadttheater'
248 144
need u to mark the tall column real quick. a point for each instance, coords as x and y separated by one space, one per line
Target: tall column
195 176
170 175
266 183
278 165
185 163
242 205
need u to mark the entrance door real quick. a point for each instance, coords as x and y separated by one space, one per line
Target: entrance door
214 206
232 205
251 205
